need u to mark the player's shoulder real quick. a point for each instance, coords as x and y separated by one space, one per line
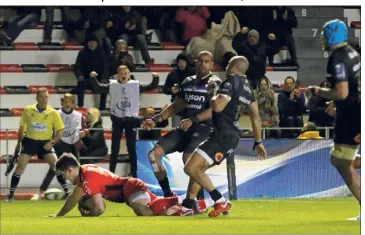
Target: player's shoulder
29 107
188 80
90 170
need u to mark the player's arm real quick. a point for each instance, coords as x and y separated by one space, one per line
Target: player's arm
223 96
22 124
204 115
341 88
253 112
71 201
171 110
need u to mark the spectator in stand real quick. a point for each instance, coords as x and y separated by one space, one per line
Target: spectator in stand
169 28
193 21
247 43
121 56
309 131
174 80
94 144
125 23
317 110
152 134
90 58
27 17
267 103
282 21
291 103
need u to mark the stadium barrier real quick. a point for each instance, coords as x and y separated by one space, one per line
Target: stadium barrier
293 169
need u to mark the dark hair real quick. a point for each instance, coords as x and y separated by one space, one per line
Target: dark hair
67 160
289 77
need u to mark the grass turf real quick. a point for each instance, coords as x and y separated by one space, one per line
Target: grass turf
259 216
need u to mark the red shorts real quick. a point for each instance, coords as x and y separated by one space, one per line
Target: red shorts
134 185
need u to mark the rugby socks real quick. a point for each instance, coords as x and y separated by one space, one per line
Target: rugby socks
15 178
217 196
165 186
208 203
62 182
188 203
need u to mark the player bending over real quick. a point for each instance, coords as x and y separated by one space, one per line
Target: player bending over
99 184
344 75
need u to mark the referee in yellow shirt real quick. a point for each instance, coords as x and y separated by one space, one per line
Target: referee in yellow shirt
40 128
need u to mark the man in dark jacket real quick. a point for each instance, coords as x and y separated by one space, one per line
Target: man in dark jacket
90 58
291 104
248 44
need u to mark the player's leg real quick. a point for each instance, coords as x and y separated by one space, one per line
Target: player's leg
342 157
51 158
139 202
357 162
167 144
59 148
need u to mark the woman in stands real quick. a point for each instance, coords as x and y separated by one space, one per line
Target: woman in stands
121 56
267 103
94 144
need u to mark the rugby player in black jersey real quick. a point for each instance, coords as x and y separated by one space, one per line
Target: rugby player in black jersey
195 125
343 74
227 102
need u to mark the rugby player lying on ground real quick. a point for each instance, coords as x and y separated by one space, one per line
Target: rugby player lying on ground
99 184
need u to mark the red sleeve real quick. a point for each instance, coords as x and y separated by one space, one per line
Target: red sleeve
205 13
180 15
90 183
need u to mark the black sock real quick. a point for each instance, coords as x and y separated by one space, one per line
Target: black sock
165 186
62 182
15 178
216 195
188 203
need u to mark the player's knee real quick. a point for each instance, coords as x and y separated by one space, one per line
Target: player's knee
154 155
189 169
186 157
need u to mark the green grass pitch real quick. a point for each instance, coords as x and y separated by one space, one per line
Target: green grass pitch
259 216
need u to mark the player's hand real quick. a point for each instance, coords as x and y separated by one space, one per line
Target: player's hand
185 124
175 88
48 145
212 86
93 74
261 152
331 109
148 124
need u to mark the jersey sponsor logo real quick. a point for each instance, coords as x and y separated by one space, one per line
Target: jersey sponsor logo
39 126
244 100
247 88
218 157
199 98
356 67
194 106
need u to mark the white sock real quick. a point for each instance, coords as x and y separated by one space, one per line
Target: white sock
209 202
181 198
222 199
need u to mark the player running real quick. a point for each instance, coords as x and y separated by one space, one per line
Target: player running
343 73
100 184
195 126
233 94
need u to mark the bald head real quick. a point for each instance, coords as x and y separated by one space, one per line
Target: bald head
238 65
253 37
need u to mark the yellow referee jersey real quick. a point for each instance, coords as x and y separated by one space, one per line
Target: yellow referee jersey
40 126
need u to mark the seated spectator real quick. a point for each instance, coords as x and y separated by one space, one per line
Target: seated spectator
282 21
267 104
247 43
152 134
94 144
309 131
90 58
317 110
169 28
193 21
125 23
27 17
174 80
291 103
121 56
